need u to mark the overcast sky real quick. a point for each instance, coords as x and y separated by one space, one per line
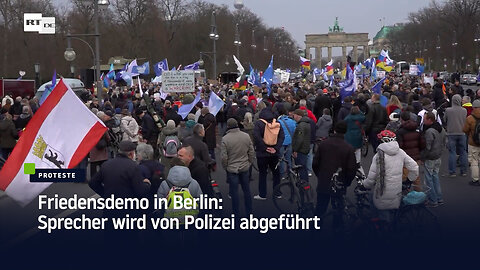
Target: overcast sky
301 17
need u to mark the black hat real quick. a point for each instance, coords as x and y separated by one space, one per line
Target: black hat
341 127
138 111
127 146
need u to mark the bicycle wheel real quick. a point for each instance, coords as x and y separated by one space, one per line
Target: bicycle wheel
289 202
364 148
416 221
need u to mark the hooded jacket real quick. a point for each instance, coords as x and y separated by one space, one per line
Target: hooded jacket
180 176
130 129
395 160
455 116
301 137
354 135
410 140
469 127
324 125
435 141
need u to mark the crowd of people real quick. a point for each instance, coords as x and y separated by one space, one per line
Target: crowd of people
149 147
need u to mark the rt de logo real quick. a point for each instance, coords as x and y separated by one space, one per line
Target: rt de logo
34 22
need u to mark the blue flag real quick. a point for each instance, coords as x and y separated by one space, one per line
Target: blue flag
143 69
268 76
377 88
111 73
174 68
119 74
193 66
49 88
185 109
348 86
160 67
252 76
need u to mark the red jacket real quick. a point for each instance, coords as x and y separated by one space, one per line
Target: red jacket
309 113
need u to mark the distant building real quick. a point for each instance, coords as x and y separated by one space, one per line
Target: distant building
381 41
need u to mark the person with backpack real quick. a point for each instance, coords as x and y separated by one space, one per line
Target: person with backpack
179 182
385 175
237 157
435 142
168 144
455 118
472 129
151 169
301 142
288 125
198 169
268 137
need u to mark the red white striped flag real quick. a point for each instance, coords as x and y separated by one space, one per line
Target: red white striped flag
60 135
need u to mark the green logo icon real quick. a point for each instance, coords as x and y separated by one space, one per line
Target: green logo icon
29 168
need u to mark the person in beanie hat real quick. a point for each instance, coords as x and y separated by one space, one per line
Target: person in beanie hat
473 147
170 131
237 156
332 154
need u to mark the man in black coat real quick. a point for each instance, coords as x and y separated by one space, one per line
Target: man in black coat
149 129
322 101
438 94
332 154
267 155
376 121
210 125
198 169
200 149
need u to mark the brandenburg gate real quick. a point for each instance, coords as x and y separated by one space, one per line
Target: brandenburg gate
336 38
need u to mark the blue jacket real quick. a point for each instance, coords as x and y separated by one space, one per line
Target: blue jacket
289 123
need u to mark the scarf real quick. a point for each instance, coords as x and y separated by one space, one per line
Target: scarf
380 181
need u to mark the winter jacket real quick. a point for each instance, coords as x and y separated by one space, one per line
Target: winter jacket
100 151
171 114
469 127
395 160
344 111
180 176
120 176
435 141
200 149
321 102
288 125
455 116
260 147
309 113
237 151
149 128
331 154
324 124
376 119
468 107
22 121
200 172
354 135
8 133
129 128
438 95
410 140
210 124
301 137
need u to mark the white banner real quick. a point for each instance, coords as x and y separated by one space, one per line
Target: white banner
285 76
178 81
413 70
429 80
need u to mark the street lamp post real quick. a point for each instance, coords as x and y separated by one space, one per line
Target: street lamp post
237 41
37 74
254 45
477 42
72 70
438 47
454 45
70 53
214 36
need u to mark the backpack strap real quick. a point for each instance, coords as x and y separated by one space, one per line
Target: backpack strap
171 185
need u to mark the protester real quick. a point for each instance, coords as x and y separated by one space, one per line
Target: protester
198 169
455 118
210 126
354 134
168 143
376 120
301 142
8 134
237 157
129 127
199 147
473 144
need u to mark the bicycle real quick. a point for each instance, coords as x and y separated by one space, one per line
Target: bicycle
293 195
